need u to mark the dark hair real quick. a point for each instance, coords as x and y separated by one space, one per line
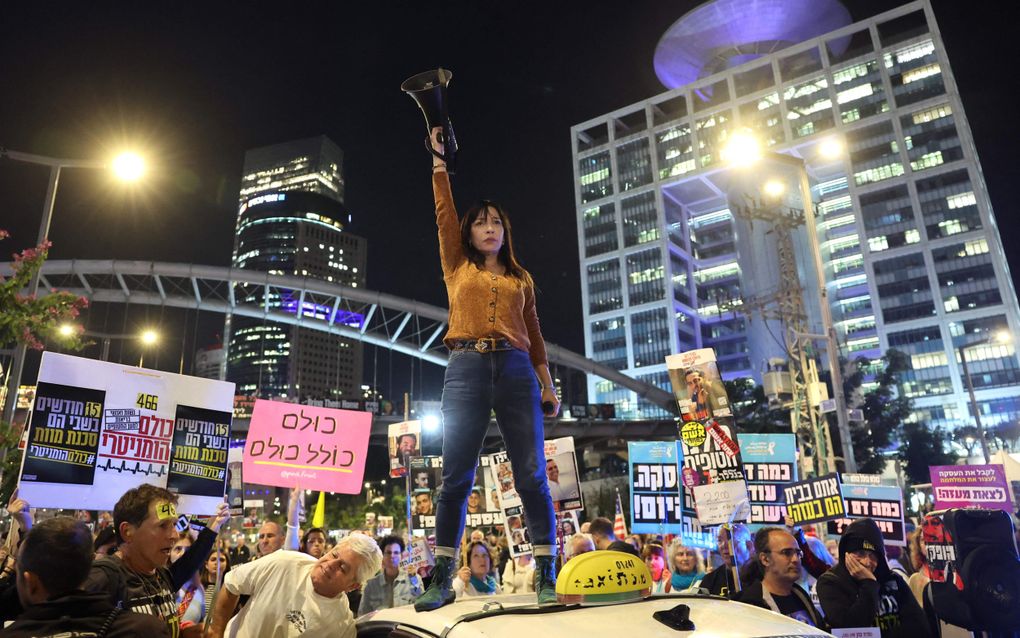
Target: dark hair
205 575
105 536
59 552
653 548
133 506
761 540
506 254
389 540
304 538
410 434
603 527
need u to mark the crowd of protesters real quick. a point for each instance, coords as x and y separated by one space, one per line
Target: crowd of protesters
140 575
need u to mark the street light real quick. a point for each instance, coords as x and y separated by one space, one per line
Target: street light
743 150
1000 338
147 337
122 168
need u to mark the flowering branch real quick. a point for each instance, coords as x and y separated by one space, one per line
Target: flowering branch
29 319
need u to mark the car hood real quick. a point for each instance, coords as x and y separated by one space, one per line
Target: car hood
510 616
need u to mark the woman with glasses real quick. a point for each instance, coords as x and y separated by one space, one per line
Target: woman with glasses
497 363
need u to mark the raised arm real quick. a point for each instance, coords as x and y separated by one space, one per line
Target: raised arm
450 252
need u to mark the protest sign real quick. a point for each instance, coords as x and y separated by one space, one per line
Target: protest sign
510 501
426 481
707 433
815 500
982 486
770 463
426 473
404 441
235 478
417 555
697 386
724 502
561 472
99 429
292 445
881 503
655 487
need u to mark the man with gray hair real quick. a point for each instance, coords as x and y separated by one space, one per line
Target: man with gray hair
295 594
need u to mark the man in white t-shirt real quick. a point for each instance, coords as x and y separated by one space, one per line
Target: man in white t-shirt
295 594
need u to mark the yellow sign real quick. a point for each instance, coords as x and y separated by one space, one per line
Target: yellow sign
603 577
147 401
166 510
693 433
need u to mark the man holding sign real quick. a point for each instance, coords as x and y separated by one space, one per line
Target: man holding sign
145 519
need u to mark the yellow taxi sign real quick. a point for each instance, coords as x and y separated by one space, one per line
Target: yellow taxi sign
602 577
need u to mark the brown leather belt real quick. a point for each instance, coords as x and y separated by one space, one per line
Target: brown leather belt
488 344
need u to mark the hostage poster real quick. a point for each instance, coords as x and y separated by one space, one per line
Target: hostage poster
707 433
99 429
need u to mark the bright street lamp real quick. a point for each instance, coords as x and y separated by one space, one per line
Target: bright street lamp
147 337
128 166
55 164
831 148
743 150
66 330
999 338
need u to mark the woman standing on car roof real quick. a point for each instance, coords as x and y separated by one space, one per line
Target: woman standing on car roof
497 362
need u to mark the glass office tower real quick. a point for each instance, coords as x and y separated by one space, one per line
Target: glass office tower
291 222
911 252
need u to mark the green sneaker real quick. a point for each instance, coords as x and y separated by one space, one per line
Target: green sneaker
545 579
440 591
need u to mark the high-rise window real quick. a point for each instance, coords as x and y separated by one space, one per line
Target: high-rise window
859 91
640 220
874 153
930 137
915 73
903 289
808 107
604 289
599 229
609 342
634 164
948 204
645 277
596 177
650 332
675 152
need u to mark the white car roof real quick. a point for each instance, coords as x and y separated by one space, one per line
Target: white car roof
481 617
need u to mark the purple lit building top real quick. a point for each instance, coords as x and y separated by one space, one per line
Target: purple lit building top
725 33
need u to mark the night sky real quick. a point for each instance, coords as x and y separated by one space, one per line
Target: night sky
193 89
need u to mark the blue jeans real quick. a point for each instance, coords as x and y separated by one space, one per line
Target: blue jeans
475 385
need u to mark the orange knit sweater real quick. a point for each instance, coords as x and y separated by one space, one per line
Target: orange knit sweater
482 304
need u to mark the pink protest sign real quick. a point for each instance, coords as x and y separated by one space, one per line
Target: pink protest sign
292 445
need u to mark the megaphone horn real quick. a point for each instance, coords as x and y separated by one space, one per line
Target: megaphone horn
428 90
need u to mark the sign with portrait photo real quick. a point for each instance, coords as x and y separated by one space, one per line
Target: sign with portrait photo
562 474
426 480
404 441
516 531
706 430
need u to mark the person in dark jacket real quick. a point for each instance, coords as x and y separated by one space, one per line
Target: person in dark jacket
53 563
861 591
145 518
779 562
721 581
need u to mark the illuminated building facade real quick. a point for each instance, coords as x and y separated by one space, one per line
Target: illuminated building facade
911 251
291 222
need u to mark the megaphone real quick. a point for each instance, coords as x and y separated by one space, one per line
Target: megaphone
428 89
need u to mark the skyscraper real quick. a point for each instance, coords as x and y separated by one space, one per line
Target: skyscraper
291 222
911 252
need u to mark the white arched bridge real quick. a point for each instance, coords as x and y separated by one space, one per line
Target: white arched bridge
377 318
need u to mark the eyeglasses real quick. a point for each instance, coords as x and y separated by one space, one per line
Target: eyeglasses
788 553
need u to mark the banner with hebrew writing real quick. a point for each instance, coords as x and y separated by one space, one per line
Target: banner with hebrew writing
98 429
291 445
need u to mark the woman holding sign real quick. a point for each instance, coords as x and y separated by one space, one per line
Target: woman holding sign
497 362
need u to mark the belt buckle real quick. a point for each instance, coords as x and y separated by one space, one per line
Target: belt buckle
485 345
